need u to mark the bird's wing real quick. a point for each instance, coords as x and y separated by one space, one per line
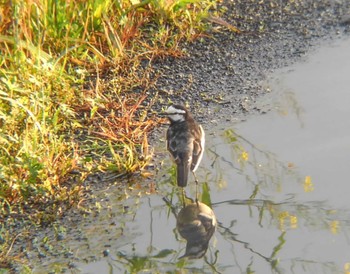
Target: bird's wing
181 153
171 144
198 148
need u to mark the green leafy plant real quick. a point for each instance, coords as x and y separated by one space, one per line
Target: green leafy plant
69 72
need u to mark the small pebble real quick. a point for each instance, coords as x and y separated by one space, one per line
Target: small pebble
105 252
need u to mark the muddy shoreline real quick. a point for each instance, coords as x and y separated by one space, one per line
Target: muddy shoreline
221 79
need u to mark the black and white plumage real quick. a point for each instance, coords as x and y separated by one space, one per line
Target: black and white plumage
196 223
185 142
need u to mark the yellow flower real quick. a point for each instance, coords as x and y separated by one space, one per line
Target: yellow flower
244 156
334 225
308 185
283 218
293 221
347 268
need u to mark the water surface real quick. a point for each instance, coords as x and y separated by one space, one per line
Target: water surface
277 183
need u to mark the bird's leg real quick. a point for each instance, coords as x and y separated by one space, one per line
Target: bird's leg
183 197
195 179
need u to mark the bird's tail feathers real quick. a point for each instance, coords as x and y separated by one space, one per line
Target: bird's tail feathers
182 174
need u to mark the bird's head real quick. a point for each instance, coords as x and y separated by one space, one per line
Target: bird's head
176 113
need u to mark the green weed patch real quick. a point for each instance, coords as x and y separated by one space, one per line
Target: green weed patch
68 70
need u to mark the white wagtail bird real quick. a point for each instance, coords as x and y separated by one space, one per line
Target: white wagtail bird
196 223
185 142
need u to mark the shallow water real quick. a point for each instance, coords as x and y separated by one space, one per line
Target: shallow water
277 183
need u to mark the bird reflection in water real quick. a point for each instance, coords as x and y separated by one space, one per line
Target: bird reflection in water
196 223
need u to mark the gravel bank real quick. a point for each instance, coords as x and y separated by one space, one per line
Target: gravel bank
221 75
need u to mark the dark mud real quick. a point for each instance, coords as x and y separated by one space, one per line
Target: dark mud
220 77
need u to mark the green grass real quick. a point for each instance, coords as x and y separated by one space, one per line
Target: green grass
68 70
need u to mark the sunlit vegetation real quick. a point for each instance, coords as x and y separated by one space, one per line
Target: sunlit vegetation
73 93
269 172
260 171
265 164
